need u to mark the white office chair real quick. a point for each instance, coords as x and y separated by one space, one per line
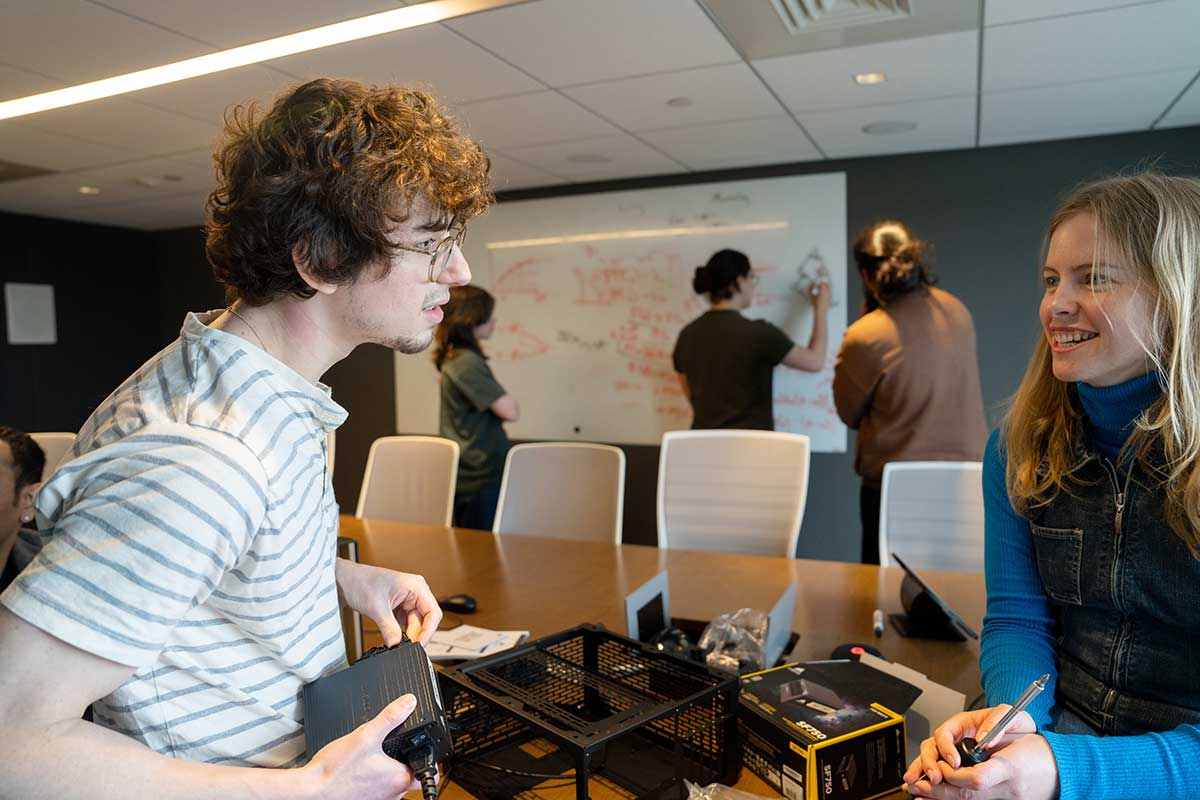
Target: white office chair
931 515
56 446
410 479
564 490
732 490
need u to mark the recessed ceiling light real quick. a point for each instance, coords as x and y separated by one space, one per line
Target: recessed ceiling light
680 102
869 78
588 158
339 32
89 190
888 128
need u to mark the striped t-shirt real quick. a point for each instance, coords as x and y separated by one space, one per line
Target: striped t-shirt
192 535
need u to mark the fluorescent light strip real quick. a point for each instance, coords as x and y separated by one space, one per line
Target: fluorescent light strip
647 233
337 33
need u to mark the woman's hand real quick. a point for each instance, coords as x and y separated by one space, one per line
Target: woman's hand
1022 766
822 296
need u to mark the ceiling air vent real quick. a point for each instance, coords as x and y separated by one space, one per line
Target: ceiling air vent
805 16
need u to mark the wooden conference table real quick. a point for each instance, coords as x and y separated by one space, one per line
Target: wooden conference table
547 585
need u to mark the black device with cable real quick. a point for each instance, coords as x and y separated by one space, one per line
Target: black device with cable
338 703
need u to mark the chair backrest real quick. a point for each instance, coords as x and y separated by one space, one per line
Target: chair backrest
564 490
732 490
410 479
57 446
931 515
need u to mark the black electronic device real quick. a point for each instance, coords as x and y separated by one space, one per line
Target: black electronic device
459 604
814 694
338 703
928 615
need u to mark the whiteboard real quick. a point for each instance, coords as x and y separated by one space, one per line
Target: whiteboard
592 290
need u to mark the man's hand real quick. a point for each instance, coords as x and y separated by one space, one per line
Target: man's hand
391 599
354 767
1021 767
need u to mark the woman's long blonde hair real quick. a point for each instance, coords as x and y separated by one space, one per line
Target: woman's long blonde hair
1151 223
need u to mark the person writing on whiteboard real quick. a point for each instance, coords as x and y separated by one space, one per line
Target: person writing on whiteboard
726 362
473 405
905 376
1091 490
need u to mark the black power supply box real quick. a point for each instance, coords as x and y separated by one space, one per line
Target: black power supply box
338 703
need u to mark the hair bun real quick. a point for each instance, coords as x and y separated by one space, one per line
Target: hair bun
702 281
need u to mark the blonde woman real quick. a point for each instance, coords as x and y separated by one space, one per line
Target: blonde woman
1092 490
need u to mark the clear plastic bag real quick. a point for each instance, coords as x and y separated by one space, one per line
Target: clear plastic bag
735 643
716 791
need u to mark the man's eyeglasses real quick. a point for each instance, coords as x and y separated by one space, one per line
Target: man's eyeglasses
439 256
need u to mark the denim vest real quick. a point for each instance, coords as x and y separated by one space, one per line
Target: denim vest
1125 594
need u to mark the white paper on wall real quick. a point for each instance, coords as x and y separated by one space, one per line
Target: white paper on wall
29 308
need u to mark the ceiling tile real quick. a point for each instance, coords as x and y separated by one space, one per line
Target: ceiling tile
174 211
16 83
206 98
432 57
118 122
117 184
1153 37
916 69
38 195
716 94
944 124
509 174
1091 108
1186 111
1002 12
77 41
566 42
538 118
735 144
201 157
615 157
209 21
26 145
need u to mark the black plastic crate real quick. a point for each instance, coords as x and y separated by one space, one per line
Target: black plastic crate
588 706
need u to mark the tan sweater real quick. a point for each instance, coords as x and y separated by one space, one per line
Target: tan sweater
907 380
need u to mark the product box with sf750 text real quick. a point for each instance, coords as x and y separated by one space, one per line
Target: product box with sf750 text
825 730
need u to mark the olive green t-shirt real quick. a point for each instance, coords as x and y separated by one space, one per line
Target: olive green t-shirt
468 390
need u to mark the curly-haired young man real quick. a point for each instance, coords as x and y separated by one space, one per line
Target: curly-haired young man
188 586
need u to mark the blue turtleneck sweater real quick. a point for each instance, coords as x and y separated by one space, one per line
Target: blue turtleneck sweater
1018 631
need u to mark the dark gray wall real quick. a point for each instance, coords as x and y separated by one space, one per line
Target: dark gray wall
984 211
106 294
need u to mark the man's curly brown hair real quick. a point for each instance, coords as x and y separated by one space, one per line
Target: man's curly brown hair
329 170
